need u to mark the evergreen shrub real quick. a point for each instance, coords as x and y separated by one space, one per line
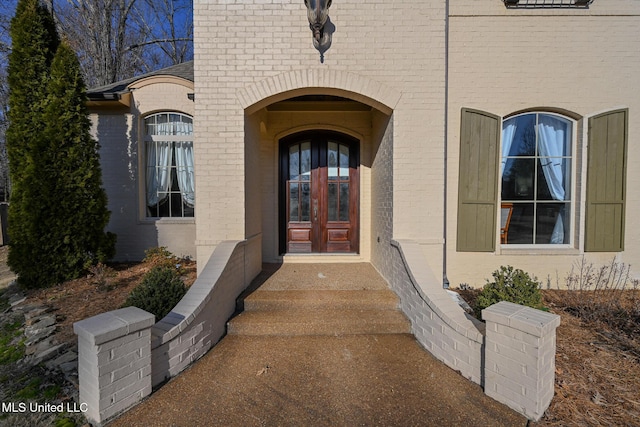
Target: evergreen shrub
509 284
161 289
58 211
161 256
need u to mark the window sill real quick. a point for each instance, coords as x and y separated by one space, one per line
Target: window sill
538 250
152 221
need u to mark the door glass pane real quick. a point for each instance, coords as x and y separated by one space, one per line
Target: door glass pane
294 162
344 201
305 160
305 205
294 212
332 160
344 162
332 207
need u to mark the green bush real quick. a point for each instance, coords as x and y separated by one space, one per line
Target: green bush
58 210
161 289
161 257
509 284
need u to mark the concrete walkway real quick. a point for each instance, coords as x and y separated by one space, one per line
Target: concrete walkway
319 380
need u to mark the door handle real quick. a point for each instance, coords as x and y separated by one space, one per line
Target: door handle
315 209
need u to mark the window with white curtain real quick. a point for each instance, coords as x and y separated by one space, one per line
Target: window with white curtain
169 173
536 173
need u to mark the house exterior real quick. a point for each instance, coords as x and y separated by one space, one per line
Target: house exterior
436 140
433 121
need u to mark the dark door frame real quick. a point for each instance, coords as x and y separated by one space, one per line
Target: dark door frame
319 136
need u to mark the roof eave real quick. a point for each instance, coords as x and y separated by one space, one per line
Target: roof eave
109 99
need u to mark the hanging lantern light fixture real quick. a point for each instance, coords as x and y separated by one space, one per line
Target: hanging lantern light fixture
318 13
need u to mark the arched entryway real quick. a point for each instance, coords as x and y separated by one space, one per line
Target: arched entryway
319 193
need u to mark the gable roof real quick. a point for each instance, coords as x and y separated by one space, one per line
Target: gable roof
113 90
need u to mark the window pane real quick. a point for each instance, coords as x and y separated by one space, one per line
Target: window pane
518 179
332 160
333 202
521 225
524 139
552 226
163 208
538 168
169 171
294 162
344 162
305 202
294 213
305 160
189 211
344 201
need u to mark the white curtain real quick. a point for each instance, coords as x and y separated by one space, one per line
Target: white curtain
552 135
508 133
158 171
159 157
184 163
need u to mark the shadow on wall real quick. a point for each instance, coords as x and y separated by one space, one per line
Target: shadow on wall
117 135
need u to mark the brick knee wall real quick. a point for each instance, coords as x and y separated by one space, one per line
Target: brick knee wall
114 361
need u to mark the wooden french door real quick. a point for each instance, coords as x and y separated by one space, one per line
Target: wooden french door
319 193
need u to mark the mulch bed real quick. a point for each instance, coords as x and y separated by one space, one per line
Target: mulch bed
597 367
81 298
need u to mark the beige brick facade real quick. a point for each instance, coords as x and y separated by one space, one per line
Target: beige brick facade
118 127
583 61
397 78
408 68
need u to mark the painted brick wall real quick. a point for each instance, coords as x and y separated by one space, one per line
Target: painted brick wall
503 61
520 353
119 134
382 202
241 48
199 320
114 361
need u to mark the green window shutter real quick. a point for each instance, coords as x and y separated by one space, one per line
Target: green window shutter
606 182
478 181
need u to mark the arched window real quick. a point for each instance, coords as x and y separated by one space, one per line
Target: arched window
169 179
536 173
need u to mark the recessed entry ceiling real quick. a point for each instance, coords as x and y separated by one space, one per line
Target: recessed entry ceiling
318 103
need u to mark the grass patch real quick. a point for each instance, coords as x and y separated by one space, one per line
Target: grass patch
10 352
31 391
4 303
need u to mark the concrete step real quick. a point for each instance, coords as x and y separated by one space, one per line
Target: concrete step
317 321
331 299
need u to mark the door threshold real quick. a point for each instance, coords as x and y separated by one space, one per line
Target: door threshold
322 258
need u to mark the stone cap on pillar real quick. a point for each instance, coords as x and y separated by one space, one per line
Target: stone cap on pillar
525 319
113 324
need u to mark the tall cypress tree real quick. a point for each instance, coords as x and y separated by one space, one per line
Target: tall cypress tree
75 197
58 209
35 41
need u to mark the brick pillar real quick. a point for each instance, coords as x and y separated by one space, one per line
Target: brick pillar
520 350
114 361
